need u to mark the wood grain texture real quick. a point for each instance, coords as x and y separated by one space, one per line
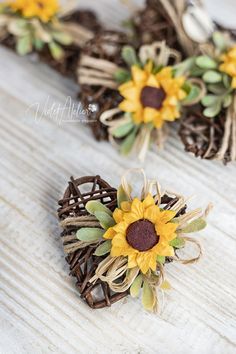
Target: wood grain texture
40 310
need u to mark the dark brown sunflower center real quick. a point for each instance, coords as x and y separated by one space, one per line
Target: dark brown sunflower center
40 4
152 97
141 235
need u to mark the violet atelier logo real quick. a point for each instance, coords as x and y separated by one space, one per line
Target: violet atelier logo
69 111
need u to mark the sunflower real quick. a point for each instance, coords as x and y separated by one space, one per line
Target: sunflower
45 10
152 97
229 65
142 232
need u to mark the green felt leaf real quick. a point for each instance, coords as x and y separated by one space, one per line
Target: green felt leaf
227 101
123 130
56 51
161 259
24 45
18 28
148 297
121 196
38 44
94 206
129 55
219 40
105 219
194 226
177 242
209 100
184 67
62 38
212 77
212 111
136 286
193 94
103 249
122 76
128 142
89 234
206 62
217 89
226 81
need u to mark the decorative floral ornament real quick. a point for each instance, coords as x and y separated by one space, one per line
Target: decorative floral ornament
45 10
124 242
152 93
152 97
37 26
209 130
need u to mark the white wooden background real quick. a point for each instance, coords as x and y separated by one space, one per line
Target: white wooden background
40 309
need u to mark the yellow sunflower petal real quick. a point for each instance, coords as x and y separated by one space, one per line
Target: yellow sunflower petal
143 259
149 114
126 206
118 215
131 93
109 234
166 231
149 66
139 76
132 262
138 116
163 249
148 201
152 81
166 215
233 83
137 208
152 213
130 106
120 227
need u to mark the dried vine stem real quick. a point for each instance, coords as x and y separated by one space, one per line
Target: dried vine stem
207 138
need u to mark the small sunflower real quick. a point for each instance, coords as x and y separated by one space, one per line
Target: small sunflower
229 65
45 10
142 232
152 97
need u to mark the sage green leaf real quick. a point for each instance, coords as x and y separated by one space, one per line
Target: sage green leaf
184 67
56 51
161 259
121 196
206 62
122 76
123 130
226 81
89 234
148 297
194 226
227 101
209 100
136 286
24 45
217 89
129 55
193 94
212 77
177 242
196 71
105 219
94 206
128 143
18 28
212 111
62 38
103 249
219 40
38 44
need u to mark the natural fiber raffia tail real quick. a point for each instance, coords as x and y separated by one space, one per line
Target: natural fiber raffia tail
229 138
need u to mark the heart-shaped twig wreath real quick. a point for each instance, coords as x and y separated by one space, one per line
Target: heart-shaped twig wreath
117 244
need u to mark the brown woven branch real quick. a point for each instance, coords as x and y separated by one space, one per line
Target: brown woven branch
82 261
105 45
203 136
